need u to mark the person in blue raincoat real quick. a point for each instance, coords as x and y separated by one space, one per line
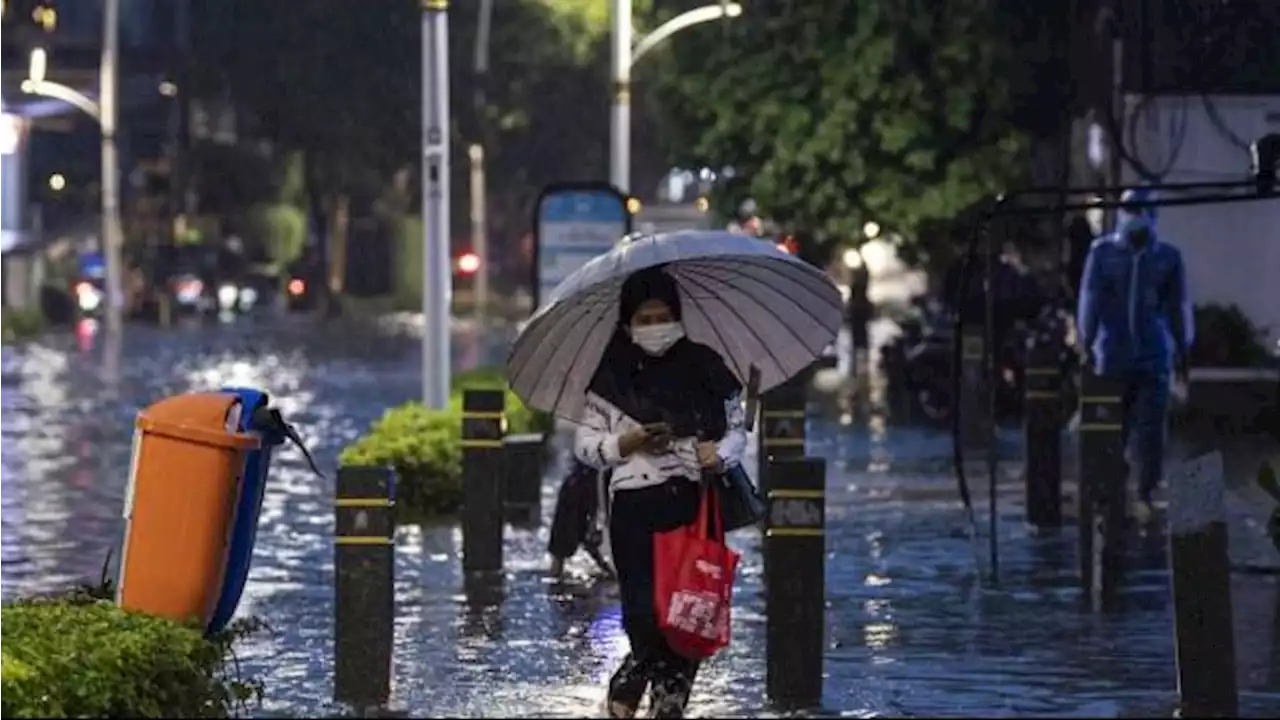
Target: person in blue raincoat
1135 323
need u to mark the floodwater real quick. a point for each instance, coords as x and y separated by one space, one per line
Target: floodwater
913 630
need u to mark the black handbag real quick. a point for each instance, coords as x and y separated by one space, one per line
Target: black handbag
740 502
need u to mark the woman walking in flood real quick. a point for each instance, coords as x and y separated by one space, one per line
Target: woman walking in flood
660 409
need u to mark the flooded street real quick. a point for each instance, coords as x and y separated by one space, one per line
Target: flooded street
912 629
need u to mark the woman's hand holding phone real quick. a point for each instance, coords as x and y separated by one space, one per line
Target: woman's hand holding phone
651 438
659 437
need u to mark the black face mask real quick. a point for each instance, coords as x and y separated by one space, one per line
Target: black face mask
1139 238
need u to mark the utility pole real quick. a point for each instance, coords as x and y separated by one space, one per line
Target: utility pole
437 280
620 109
476 154
112 234
479 228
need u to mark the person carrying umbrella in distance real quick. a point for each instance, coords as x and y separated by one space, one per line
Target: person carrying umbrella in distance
646 348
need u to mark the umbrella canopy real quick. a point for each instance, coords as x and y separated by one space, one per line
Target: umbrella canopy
749 301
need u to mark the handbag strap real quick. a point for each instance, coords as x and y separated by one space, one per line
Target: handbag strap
710 523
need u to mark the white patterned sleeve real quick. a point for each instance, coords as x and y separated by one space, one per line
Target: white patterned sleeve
595 442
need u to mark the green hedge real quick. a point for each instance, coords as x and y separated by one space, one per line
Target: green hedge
76 656
19 324
423 446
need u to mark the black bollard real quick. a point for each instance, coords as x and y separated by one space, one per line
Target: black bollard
795 605
1102 476
1043 428
1200 573
522 464
975 406
782 426
782 431
364 586
482 480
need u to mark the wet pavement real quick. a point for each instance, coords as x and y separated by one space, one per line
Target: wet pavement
913 630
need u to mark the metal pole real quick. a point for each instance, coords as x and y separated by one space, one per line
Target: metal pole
479 211
437 281
1115 168
479 229
112 234
620 110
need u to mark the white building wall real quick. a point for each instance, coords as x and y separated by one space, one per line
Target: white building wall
1232 250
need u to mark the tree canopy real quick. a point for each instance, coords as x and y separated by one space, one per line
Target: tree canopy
833 114
340 83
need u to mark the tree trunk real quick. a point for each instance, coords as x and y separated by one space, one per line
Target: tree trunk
339 228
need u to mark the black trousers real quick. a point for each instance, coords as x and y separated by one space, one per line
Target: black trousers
637 515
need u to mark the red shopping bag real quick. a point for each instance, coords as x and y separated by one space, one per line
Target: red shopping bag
693 582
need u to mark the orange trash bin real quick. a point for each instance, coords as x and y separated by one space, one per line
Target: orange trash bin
184 483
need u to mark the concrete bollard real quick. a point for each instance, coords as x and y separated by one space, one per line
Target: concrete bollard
364 587
1200 578
1103 474
522 457
974 403
1043 432
482 480
795 604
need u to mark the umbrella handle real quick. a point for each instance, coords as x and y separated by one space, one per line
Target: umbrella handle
753 397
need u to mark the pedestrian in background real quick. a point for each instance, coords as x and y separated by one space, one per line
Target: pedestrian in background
1135 324
576 523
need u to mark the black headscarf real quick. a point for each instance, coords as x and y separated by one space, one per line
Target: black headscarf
685 387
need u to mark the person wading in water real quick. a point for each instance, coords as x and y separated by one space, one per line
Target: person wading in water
660 410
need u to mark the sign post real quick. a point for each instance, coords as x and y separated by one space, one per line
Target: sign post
573 223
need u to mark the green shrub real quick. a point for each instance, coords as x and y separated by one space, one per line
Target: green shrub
76 656
1226 337
17 324
423 446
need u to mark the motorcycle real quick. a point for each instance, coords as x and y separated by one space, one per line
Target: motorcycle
918 365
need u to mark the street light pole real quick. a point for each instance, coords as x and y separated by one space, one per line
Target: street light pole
476 154
625 55
112 233
104 112
620 109
437 281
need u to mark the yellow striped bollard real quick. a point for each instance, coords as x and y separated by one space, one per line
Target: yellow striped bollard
364 570
795 600
1102 478
1043 436
483 494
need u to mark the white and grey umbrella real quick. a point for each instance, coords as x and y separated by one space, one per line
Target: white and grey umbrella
751 302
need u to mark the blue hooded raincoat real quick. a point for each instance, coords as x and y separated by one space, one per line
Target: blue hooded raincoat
1135 315
1134 311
